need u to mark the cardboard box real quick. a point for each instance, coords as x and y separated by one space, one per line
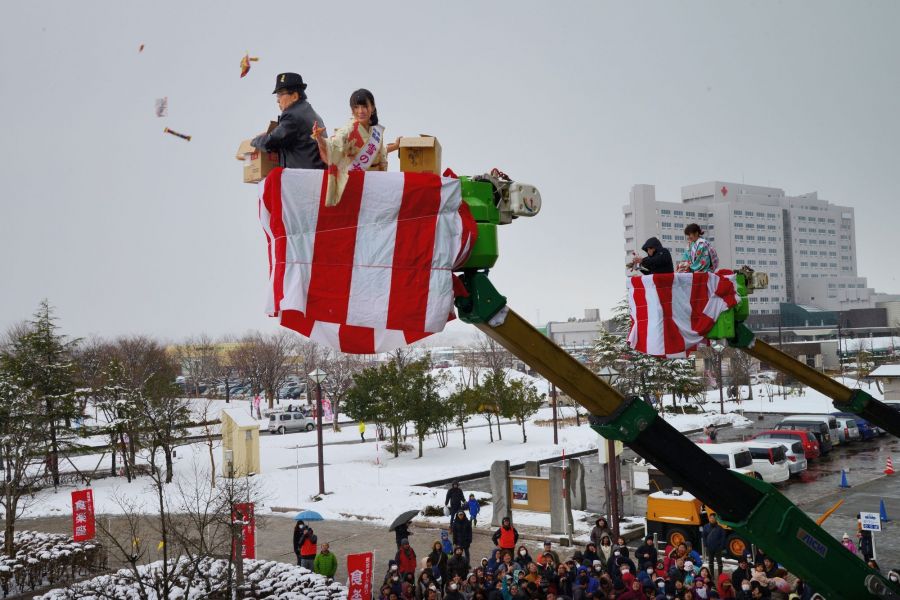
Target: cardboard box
420 154
257 164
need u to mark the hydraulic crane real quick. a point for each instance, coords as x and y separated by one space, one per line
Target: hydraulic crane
753 508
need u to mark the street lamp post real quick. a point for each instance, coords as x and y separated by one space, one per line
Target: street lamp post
718 348
319 376
555 417
610 375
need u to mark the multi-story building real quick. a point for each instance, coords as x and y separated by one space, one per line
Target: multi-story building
803 243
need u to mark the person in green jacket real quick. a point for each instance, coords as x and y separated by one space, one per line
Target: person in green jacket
325 562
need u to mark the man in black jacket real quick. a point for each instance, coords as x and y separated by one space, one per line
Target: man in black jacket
714 539
645 554
455 499
292 137
658 259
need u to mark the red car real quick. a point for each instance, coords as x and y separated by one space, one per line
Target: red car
810 444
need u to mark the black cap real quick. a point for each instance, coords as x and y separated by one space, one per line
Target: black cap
288 80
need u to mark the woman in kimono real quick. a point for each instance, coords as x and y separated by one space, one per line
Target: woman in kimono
357 146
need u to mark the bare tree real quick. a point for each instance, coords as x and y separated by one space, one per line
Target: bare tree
265 360
341 369
198 358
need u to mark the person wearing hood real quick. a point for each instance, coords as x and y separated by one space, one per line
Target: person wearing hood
601 528
523 557
658 259
439 560
494 561
446 543
605 549
454 499
462 533
645 555
847 543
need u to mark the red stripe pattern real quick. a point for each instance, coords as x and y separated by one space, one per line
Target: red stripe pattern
372 273
671 312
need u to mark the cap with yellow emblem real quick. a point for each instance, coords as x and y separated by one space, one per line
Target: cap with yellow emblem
288 80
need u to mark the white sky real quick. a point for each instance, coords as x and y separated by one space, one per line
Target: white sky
128 230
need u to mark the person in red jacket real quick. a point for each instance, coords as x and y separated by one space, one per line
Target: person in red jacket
308 549
406 559
507 536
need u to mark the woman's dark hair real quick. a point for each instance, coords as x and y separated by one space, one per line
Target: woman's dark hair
362 97
693 228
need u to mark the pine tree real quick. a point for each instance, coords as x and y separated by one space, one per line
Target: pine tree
39 357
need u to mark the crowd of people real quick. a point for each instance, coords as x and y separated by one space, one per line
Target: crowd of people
606 568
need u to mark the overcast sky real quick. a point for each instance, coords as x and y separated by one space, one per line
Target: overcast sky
125 229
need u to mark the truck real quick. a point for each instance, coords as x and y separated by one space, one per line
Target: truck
753 509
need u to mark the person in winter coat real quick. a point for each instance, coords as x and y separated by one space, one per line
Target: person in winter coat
439 560
402 532
591 554
506 536
462 533
474 509
864 544
600 529
714 538
742 573
458 565
645 555
446 544
299 528
605 550
406 559
291 139
700 256
454 499
494 561
658 259
422 584
362 431
725 587
308 549
522 557
325 562
453 592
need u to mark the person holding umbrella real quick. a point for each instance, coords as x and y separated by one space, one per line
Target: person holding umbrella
400 526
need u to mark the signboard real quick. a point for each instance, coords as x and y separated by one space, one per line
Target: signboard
520 491
83 526
870 521
243 514
359 576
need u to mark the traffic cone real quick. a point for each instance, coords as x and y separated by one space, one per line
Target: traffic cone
844 483
889 466
883 510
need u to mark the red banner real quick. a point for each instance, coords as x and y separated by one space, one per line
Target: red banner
359 576
243 513
83 527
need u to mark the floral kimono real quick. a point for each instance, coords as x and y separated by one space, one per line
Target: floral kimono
353 148
700 257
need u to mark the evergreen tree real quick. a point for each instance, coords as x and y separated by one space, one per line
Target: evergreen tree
39 358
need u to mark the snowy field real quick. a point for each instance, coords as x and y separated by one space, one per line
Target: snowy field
363 481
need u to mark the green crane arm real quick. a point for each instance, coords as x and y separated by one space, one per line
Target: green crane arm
751 507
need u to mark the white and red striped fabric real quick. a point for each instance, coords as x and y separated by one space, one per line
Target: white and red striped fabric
372 273
671 312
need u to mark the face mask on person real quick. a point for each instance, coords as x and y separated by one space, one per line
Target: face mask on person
395 578
746 587
523 552
616 553
649 570
661 584
598 568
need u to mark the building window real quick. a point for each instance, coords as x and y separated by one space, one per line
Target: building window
679 225
678 213
738 213
667 236
771 216
666 224
773 227
689 213
738 236
773 250
751 238
739 225
665 211
801 218
760 215
739 249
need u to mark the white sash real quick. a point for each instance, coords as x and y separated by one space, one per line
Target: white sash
367 154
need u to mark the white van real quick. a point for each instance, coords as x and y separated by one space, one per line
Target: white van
769 460
732 455
848 429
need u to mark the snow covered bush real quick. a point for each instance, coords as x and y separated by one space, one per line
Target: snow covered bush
208 579
47 558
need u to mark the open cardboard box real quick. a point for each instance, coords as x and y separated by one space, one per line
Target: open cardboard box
257 164
420 154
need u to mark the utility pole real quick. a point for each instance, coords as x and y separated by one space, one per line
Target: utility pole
555 416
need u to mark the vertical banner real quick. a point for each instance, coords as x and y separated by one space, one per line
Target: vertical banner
83 526
359 576
242 514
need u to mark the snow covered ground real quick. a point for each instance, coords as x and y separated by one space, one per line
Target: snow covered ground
363 481
810 401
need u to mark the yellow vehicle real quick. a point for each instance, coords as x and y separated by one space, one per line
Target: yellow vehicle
677 517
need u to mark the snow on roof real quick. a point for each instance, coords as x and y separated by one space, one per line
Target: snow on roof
684 496
241 417
886 371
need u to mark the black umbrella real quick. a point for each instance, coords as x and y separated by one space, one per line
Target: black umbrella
405 517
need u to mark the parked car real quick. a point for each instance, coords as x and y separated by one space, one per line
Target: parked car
732 455
290 422
867 431
769 460
810 444
848 429
818 426
795 455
